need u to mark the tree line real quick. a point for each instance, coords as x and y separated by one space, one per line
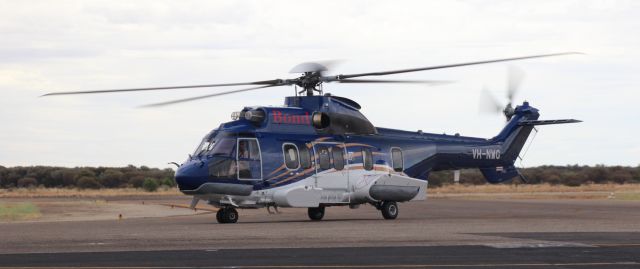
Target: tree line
570 175
86 177
150 178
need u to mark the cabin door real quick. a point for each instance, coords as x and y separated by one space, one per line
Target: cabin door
331 166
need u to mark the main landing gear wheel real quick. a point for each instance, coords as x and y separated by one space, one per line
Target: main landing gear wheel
389 210
227 215
316 213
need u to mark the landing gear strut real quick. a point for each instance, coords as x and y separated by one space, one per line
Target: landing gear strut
227 215
316 213
389 209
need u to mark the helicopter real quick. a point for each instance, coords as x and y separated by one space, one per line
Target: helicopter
318 150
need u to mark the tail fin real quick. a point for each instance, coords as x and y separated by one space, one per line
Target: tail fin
514 135
512 139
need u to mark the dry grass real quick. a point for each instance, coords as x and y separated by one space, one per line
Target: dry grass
63 192
535 188
628 196
540 191
593 191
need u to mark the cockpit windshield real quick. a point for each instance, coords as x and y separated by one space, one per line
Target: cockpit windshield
204 146
230 156
216 144
224 147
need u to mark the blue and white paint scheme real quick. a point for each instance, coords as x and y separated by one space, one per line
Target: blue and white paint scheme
319 151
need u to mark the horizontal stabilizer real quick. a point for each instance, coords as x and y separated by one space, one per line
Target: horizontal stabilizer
546 122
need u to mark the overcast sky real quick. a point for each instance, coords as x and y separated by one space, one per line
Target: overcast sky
89 45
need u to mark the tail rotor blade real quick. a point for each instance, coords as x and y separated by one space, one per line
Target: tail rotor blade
514 80
489 103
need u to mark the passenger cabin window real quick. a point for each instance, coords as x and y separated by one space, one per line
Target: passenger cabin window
338 157
324 158
367 159
396 160
249 163
305 157
291 159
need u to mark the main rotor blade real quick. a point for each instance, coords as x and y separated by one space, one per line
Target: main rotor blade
264 82
208 95
340 77
393 81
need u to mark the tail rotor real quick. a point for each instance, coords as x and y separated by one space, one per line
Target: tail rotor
490 104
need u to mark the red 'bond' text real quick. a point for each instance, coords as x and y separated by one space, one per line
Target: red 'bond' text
283 118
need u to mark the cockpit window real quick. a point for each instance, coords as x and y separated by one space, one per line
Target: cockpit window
224 147
223 159
207 143
204 146
222 168
232 158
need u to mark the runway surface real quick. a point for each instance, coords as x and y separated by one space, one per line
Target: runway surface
372 257
437 233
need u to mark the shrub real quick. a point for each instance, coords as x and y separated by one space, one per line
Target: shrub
54 179
111 178
150 185
88 183
136 181
169 182
27 182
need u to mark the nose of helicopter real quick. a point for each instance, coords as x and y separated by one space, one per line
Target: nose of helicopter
191 175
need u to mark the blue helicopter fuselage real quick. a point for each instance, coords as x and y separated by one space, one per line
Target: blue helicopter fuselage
252 150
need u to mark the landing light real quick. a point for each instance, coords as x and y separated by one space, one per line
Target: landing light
235 115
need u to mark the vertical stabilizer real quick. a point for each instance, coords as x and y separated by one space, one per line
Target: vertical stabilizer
511 141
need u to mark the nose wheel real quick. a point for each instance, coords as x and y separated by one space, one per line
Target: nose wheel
227 215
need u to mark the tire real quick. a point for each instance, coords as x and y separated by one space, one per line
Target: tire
316 213
227 215
219 215
231 215
389 210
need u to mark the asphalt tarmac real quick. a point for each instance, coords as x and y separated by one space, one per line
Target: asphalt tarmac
370 257
437 233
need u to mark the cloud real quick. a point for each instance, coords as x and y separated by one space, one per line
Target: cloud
80 45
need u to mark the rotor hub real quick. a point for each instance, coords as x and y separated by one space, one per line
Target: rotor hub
509 111
309 82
